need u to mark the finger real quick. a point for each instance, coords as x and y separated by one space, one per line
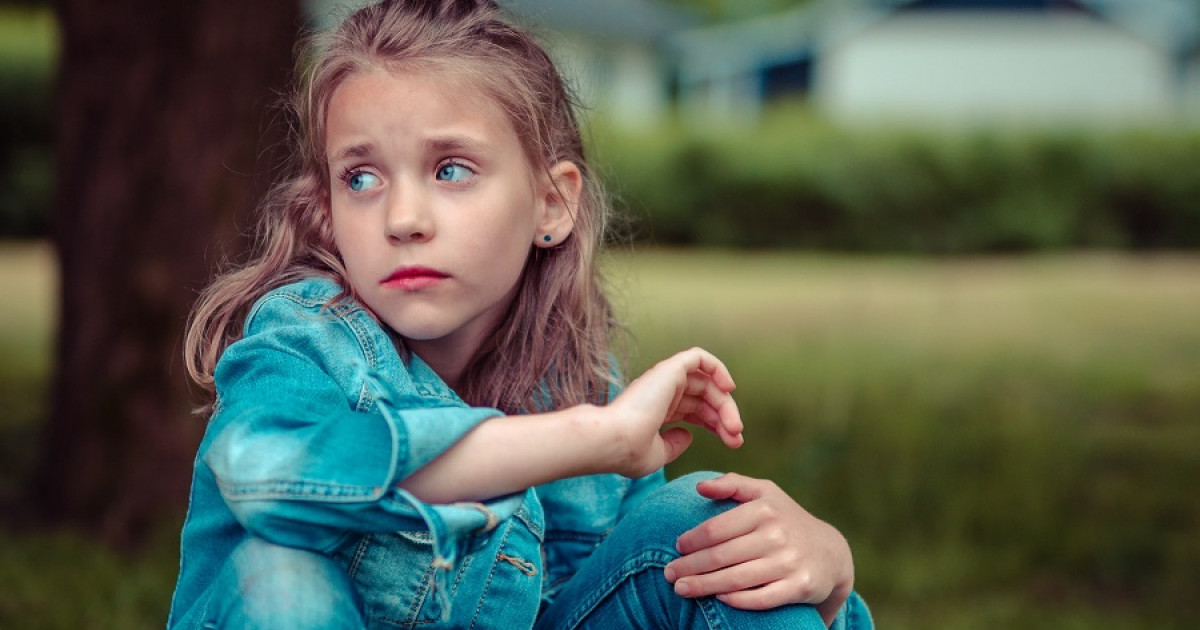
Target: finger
697 382
739 577
696 411
701 387
733 486
728 415
721 556
765 597
725 526
675 440
731 422
704 361
713 393
702 414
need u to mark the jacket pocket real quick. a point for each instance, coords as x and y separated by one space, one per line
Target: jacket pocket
395 574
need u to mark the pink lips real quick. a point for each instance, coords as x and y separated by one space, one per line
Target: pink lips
413 278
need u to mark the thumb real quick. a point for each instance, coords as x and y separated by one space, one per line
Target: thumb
675 440
729 486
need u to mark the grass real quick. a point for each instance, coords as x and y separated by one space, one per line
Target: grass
28 281
1000 439
28 40
1004 441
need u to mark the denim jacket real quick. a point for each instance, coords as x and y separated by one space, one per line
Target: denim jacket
318 419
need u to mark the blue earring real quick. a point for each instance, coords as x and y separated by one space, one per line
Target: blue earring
547 238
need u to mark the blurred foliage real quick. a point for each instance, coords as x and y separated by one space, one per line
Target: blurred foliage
720 10
793 181
28 50
796 181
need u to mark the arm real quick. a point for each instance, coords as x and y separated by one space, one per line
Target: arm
508 454
299 449
767 552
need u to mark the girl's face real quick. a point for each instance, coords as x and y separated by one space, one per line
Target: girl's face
435 207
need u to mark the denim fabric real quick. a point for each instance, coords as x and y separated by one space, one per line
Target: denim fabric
621 585
318 419
296 519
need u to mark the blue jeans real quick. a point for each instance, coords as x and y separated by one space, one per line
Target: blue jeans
620 586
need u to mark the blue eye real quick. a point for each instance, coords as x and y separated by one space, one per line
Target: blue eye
453 172
361 180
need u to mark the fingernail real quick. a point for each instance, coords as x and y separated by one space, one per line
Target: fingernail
682 588
669 573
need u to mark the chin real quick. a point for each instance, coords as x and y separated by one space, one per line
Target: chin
417 326
419 333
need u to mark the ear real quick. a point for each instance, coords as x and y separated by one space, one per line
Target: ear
560 192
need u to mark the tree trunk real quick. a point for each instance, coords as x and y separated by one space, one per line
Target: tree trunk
163 109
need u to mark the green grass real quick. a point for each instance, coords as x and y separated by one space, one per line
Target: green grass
1005 442
28 40
27 281
1002 440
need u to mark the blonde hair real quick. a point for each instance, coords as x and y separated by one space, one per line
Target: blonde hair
554 346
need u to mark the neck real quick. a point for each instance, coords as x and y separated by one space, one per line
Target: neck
449 363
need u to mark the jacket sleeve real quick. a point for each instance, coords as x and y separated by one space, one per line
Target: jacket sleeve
302 462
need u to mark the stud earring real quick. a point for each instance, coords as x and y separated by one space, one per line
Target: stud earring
547 238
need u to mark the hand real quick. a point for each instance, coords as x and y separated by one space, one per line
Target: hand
765 553
692 386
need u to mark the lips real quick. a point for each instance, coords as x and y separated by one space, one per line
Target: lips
413 278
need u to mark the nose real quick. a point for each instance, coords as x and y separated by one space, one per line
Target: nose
408 216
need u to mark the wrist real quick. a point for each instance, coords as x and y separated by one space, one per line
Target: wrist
600 449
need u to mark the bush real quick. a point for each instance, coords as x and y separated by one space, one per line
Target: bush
27 53
795 182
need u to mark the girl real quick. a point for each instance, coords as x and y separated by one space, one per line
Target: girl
415 419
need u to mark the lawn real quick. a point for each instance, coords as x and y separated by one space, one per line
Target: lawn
1004 441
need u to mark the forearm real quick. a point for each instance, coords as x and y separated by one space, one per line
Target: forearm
627 436
511 453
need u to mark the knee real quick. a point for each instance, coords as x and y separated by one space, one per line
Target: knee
674 509
282 587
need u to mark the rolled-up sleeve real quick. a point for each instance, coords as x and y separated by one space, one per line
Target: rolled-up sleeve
300 463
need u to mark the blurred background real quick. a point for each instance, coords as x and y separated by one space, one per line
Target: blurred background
950 250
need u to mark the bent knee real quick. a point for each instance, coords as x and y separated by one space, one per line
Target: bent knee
674 509
282 587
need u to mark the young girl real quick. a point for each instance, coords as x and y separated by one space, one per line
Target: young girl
416 420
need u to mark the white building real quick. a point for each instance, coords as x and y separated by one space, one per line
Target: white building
1026 61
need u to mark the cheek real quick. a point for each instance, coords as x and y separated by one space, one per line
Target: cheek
508 232
346 238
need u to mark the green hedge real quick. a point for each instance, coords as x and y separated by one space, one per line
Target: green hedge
793 181
797 182
28 47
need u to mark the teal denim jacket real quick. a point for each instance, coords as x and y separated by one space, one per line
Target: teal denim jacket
318 419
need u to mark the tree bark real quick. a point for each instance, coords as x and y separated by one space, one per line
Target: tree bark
164 109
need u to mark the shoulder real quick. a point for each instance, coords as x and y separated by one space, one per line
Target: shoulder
300 299
315 319
315 306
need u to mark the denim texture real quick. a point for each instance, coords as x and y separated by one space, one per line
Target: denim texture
318 418
296 519
621 585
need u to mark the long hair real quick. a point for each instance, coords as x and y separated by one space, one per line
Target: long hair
554 346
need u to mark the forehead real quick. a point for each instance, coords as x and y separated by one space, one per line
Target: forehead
378 100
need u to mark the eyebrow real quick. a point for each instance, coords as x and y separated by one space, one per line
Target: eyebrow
353 151
455 143
442 144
